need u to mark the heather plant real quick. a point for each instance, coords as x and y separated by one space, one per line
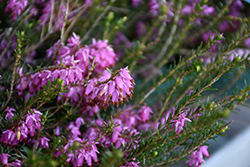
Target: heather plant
118 83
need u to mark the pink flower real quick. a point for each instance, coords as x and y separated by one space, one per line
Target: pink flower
141 29
86 151
153 6
74 129
79 122
16 7
57 131
73 41
16 163
113 91
46 12
103 53
144 113
207 10
247 42
135 3
9 137
9 114
131 164
43 141
196 158
179 123
4 158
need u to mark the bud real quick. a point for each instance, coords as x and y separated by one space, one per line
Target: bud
245 96
226 113
124 19
155 153
22 33
110 16
119 154
164 9
198 68
18 134
211 104
224 129
238 59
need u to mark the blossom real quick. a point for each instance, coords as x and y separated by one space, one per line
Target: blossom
179 123
9 113
16 7
131 164
4 158
141 29
86 151
112 91
135 3
196 158
16 163
153 6
144 113
74 41
43 141
46 13
103 53
9 137
74 129
57 131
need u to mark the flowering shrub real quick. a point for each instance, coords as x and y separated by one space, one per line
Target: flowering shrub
117 83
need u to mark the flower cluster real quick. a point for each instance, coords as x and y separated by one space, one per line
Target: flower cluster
110 89
196 158
75 59
94 53
86 150
16 7
26 129
4 161
46 15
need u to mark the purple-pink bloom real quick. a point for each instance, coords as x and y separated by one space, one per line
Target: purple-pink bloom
9 137
79 122
153 6
103 53
144 113
16 7
74 41
86 152
247 42
9 113
180 122
4 158
43 141
131 164
196 158
16 163
57 131
113 91
135 3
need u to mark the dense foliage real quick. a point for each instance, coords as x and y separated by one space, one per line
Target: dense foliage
118 83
